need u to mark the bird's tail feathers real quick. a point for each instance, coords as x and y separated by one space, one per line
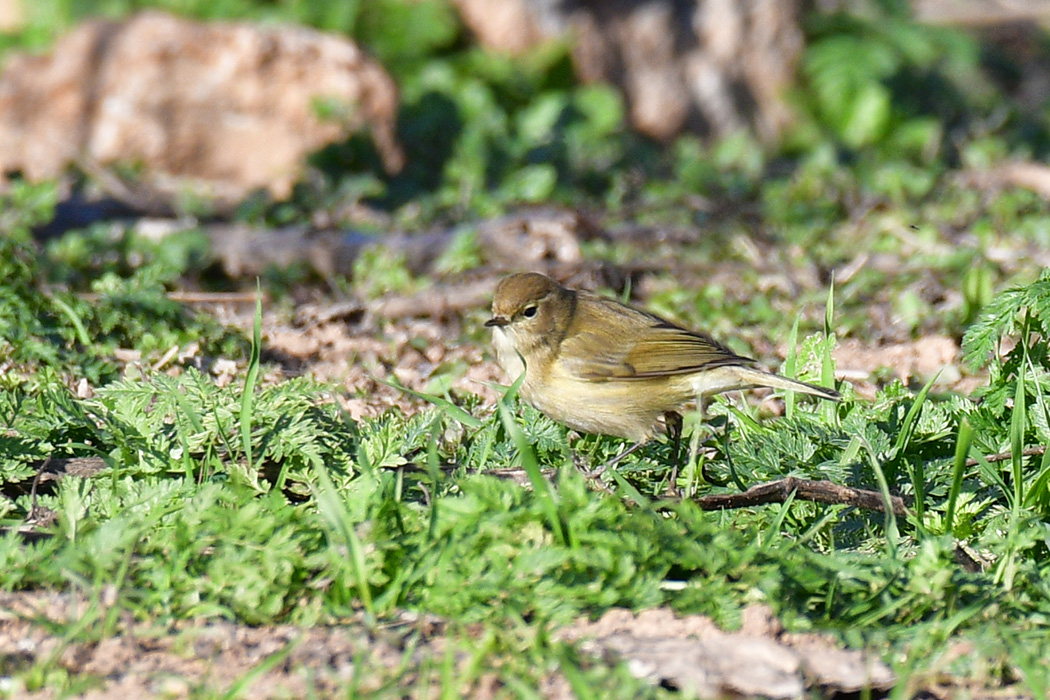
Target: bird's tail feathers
749 376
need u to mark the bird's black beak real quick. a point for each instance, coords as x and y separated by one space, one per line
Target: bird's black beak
497 321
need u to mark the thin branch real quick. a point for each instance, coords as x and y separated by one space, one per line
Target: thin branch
1003 456
440 302
803 489
197 297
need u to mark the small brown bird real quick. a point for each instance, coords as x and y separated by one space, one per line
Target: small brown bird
599 366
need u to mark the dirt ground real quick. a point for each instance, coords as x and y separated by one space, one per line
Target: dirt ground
136 660
360 346
361 351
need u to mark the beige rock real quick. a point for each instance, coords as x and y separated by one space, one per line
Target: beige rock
12 15
223 108
691 653
509 25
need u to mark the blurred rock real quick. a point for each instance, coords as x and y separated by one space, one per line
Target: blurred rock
981 12
535 239
691 653
217 109
12 17
711 66
508 25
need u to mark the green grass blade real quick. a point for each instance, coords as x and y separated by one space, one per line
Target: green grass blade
962 450
1018 424
442 403
1036 495
890 522
540 486
829 308
632 493
189 411
434 471
250 380
791 368
341 528
775 526
827 365
1040 486
78 326
907 428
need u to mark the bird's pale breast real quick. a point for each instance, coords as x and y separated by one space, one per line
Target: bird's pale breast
627 409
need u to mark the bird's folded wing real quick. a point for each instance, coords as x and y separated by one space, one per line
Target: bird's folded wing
678 351
659 351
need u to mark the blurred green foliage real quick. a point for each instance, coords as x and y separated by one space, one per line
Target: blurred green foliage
888 110
70 308
892 83
895 101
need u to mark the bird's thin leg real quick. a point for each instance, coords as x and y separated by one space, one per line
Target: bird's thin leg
673 422
614 461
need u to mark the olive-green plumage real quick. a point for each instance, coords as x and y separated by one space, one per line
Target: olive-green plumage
599 366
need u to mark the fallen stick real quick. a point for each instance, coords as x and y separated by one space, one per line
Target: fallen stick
803 489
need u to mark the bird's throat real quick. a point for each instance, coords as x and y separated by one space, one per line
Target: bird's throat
507 354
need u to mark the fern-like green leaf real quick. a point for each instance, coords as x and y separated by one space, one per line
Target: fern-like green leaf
997 319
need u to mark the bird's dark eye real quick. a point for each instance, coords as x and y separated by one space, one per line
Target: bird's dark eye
529 311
